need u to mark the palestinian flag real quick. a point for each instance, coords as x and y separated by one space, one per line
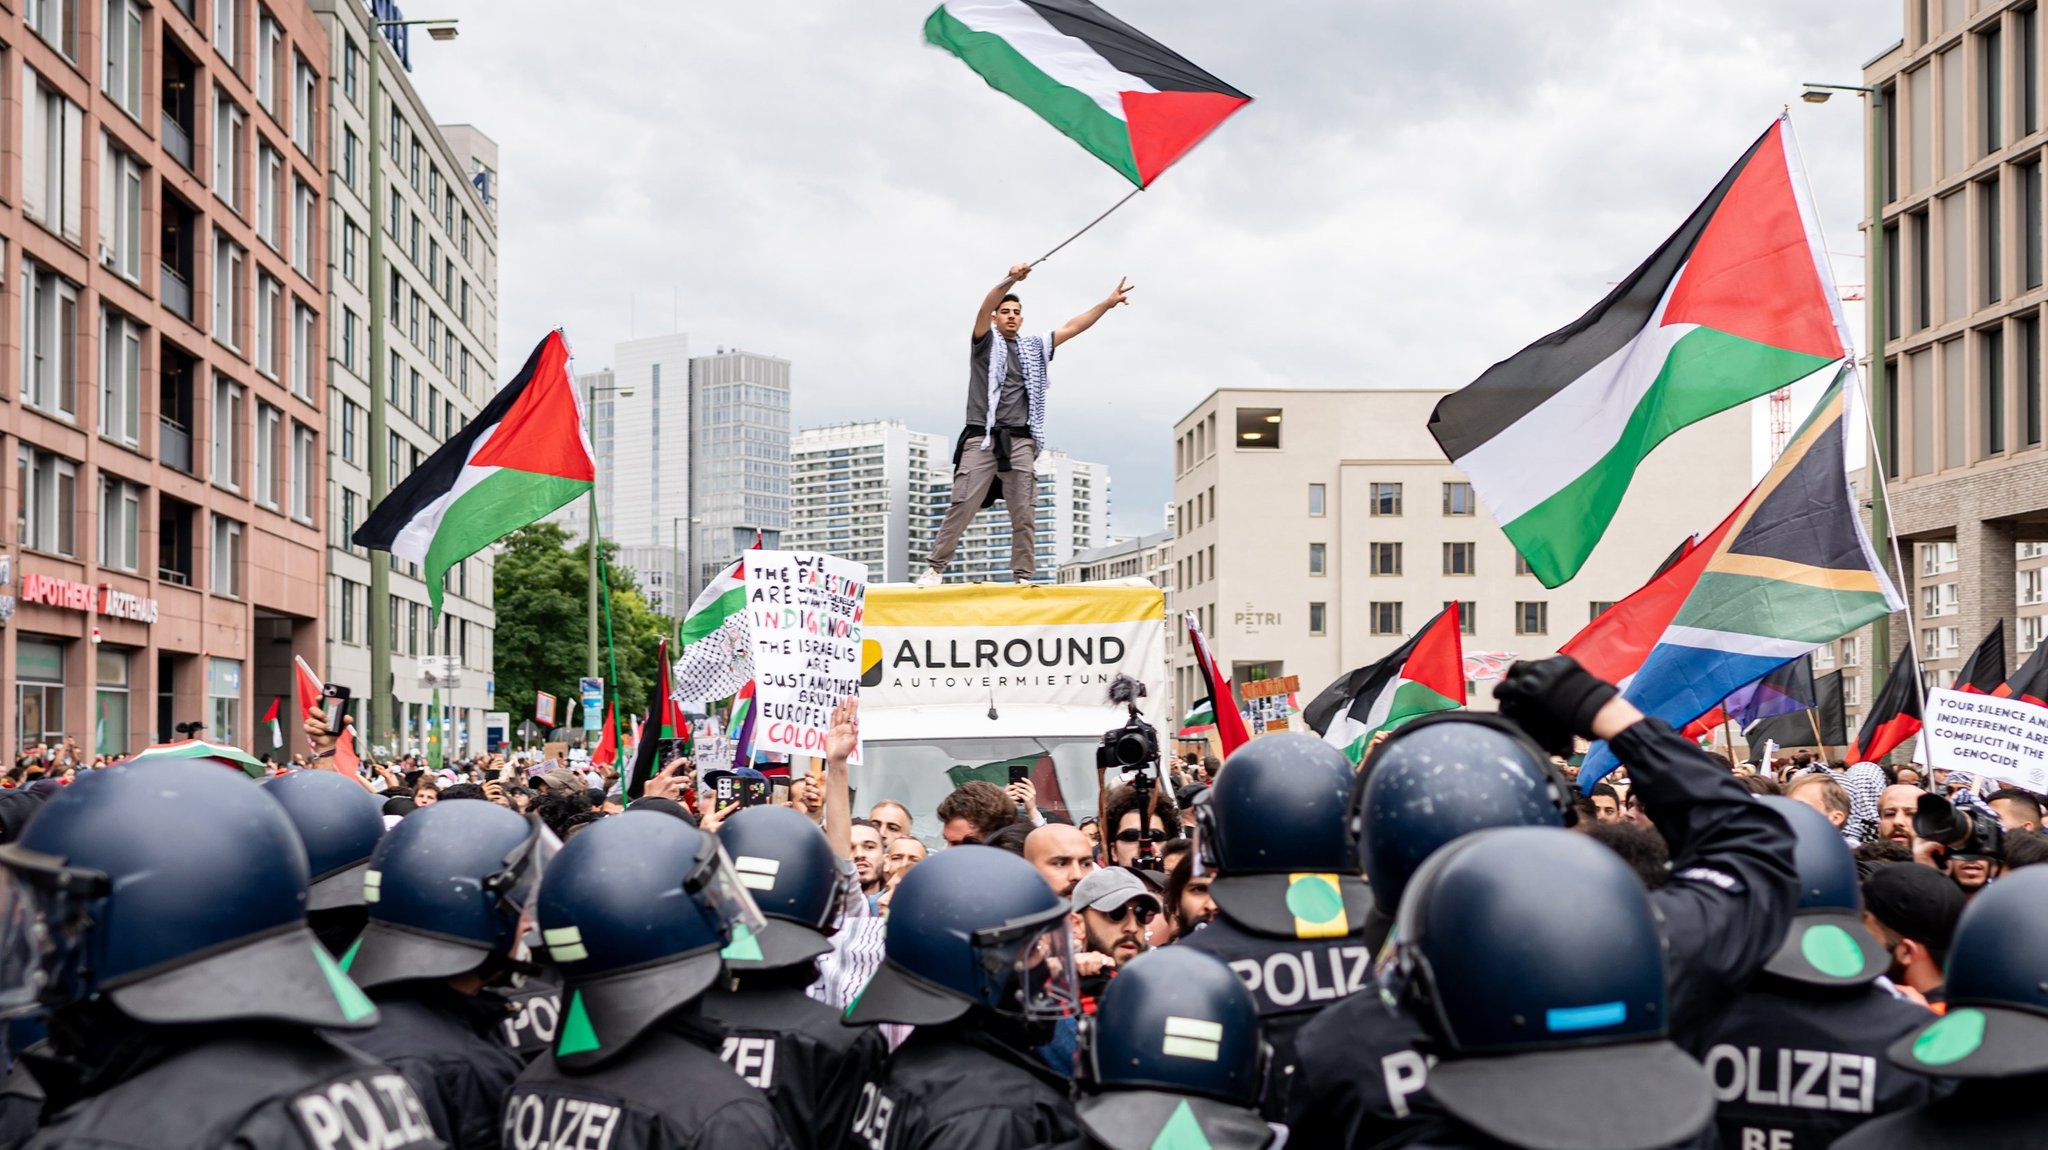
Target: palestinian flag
221 753
1983 673
1733 306
269 720
665 721
1200 720
1230 729
715 658
1424 675
1110 88
607 750
523 456
2030 683
1894 715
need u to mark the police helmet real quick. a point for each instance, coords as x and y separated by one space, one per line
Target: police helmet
446 888
1443 776
176 891
976 926
1564 1017
783 860
633 913
1273 831
1826 943
1997 986
339 822
1176 1028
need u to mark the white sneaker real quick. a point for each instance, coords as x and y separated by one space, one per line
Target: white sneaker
930 578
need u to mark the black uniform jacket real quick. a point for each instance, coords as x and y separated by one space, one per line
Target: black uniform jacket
953 1086
664 1091
795 1050
253 1088
451 1048
1722 915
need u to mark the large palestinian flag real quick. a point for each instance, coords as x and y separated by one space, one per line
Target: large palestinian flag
715 657
1735 305
522 456
1424 675
1112 89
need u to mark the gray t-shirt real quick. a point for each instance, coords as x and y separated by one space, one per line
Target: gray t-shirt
1013 408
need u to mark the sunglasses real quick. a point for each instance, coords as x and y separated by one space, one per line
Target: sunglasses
1145 914
1133 835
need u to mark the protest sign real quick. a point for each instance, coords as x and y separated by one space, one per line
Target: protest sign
1269 704
1987 737
544 708
804 612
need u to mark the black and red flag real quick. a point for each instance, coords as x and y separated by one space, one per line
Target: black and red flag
2030 683
1983 673
1894 715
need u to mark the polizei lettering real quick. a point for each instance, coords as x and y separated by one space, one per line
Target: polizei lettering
1293 979
752 1059
538 1122
367 1112
1797 1079
1014 654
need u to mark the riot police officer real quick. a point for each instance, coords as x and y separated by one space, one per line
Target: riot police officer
1722 915
634 912
791 1047
446 888
158 914
978 957
1798 1059
1518 1051
1291 907
1173 1057
1994 1038
339 822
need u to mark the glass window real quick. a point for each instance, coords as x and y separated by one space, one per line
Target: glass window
1532 618
1386 499
1386 618
49 352
1315 490
1460 558
1386 558
1258 427
230 136
302 473
1597 608
1318 623
120 523
1991 358
269 295
1992 246
110 724
227 433
224 698
268 419
227 556
269 46
1458 499
2030 225
1468 616
2027 330
120 378
56 21
1318 559
122 32
38 692
120 211
46 506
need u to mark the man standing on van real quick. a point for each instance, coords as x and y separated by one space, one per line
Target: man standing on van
997 454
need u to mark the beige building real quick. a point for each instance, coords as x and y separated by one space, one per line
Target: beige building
1962 119
1317 529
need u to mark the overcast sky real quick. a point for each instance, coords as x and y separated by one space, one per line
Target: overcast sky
1419 190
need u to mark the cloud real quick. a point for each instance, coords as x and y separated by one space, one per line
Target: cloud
1419 191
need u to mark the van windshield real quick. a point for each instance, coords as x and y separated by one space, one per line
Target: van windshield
918 775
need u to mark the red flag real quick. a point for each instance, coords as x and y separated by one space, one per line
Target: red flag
1615 645
2030 683
607 750
1230 730
1705 724
1894 715
1983 673
309 687
346 760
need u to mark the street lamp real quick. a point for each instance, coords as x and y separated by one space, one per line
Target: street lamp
1874 323
590 393
381 685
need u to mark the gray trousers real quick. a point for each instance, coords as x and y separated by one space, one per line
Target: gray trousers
1020 494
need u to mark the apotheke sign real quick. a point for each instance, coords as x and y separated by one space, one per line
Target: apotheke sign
68 595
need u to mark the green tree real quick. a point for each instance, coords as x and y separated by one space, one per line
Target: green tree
541 640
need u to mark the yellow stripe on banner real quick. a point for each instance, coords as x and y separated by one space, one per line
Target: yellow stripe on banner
1010 605
1825 578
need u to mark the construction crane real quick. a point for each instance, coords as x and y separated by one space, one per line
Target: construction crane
1781 399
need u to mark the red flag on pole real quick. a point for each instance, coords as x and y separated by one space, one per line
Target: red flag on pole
607 750
1230 729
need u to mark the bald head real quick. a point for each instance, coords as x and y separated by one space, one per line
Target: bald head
1062 854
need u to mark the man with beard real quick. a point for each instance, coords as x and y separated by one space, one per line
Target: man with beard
1895 807
1115 909
1913 911
1187 894
867 856
1061 854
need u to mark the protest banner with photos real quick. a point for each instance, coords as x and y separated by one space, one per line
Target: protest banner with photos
1987 737
804 613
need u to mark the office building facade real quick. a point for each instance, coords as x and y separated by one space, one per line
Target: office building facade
862 491
439 281
739 460
165 258
1959 245
1315 531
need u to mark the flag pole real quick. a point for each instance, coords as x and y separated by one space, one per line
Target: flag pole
1084 231
1727 739
1813 716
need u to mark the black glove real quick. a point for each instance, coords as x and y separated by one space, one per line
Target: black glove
1552 699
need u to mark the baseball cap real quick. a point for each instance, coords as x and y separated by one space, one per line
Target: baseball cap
1917 901
1110 888
561 781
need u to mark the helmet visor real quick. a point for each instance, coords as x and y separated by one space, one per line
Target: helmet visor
1027 968
516 884
1204 851
24 945
718 892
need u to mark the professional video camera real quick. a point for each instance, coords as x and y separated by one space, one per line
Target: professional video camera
1132 750
1966 834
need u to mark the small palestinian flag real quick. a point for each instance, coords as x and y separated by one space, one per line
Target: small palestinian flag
226 756
270 720
1894 715
1732 307
1424 675
1230 729
1200 720
523 456
714 657
1127 98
